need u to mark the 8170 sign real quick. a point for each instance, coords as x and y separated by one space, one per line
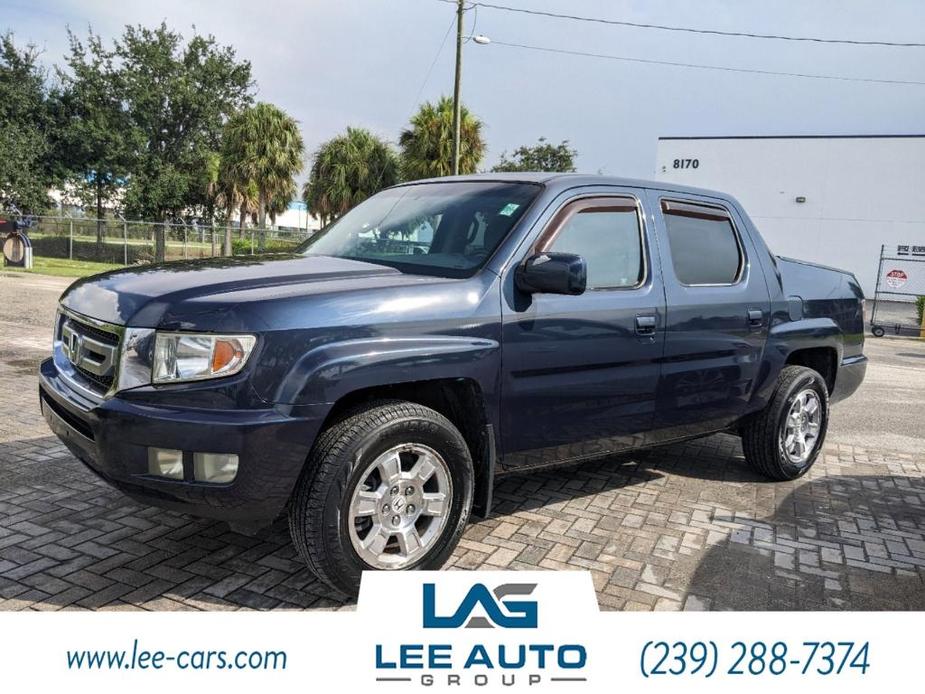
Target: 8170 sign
685 163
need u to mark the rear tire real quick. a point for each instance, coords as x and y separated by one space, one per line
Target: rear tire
877 331
783 441
387 487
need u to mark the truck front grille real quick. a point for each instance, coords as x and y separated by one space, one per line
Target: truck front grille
92 349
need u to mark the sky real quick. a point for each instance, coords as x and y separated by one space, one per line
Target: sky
334 63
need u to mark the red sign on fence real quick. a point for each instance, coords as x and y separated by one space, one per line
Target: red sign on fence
896 279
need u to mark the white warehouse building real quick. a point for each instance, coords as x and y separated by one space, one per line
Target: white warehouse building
827 199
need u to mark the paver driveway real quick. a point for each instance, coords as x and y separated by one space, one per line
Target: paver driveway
683 527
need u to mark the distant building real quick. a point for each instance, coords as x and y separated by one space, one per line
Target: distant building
828 199
297 218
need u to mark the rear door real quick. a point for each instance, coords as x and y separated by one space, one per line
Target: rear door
717 315
580 372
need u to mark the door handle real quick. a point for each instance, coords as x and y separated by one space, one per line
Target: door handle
645 325
755 317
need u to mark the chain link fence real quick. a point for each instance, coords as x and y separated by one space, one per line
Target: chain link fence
128 242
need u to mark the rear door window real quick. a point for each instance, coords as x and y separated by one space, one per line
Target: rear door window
705 247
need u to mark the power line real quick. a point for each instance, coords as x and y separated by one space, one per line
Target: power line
434 61
713 32
723 68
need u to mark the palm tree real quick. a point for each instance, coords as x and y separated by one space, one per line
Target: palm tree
210 173
346 170
262 144
235 197
427 146
248 205
280 201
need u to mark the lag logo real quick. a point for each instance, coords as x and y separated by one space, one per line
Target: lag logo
500 611
509 650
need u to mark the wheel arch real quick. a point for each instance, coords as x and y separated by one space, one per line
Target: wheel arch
330 372
816 343
823 360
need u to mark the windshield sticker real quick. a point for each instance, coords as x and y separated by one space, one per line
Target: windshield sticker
509 209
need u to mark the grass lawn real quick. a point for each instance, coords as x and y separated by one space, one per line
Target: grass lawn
62 267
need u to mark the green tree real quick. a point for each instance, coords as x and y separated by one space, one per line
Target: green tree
281 200
346 170
26 128
248 205
208 184
427 146
234 196
263 144
179 95
97 145
543 156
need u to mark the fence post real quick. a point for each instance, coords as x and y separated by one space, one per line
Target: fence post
185 255
124 240
212 238
252 242
70 239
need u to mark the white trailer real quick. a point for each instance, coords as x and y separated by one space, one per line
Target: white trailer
828 199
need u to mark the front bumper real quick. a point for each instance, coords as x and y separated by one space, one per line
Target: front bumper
112 437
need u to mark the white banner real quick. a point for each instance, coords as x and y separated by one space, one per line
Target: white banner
461 632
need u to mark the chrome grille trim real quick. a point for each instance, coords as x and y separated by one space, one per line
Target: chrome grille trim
90 348
87 353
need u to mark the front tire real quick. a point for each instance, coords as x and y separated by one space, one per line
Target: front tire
388 487
783 441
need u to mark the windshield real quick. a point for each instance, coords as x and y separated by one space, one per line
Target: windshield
443 229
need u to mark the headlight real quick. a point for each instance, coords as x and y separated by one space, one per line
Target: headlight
188 357
136 359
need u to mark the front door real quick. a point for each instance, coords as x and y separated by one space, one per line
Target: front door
579 373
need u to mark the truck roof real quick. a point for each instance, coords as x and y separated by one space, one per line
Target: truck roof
562 181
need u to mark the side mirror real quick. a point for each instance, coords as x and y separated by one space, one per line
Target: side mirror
552 273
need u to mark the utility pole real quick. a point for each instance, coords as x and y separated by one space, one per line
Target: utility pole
457 106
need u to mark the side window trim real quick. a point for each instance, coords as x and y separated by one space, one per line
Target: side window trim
713 212
618 202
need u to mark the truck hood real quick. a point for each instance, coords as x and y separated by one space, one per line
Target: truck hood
181 294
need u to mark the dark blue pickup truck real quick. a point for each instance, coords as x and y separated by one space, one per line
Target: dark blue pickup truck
373 384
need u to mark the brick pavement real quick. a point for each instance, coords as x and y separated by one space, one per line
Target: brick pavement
683 527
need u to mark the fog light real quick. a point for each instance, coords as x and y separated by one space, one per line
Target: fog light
215 467
165 462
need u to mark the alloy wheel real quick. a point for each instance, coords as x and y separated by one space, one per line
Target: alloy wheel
400 506
801 428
